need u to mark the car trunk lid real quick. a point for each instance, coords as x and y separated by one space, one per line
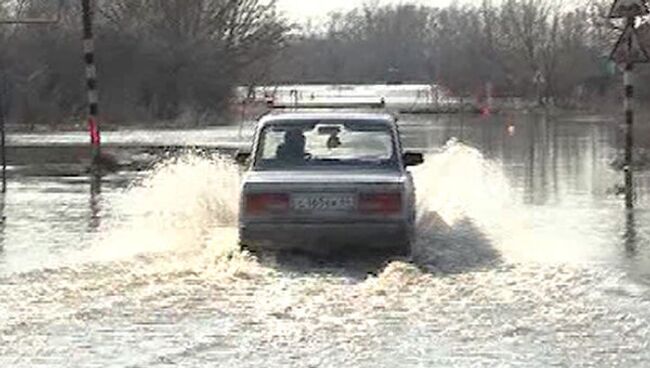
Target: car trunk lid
324 195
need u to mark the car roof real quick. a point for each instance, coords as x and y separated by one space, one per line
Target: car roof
325 115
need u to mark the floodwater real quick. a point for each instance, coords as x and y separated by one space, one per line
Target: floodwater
525 257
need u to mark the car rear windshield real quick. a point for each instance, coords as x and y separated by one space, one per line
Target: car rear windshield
300 145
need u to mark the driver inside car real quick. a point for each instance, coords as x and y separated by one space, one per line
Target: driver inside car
293 148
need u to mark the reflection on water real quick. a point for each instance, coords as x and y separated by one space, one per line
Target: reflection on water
95 201
630 237
3 220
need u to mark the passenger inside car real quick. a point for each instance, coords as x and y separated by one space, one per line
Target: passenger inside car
334 141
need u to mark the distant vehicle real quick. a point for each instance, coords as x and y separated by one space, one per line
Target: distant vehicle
323 181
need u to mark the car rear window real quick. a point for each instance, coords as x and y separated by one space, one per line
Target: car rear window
314 144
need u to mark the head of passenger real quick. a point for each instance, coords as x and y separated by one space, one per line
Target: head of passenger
333 141
293 148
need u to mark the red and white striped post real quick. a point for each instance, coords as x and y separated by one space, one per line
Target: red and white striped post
91 82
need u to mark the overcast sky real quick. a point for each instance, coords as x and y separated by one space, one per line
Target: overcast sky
302 9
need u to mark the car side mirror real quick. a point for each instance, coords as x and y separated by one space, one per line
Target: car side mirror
242 157
412 159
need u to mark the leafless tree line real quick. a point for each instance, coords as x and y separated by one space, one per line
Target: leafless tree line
157 59
548 49
179 59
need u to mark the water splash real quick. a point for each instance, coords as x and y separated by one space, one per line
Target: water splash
463 202
184 212
469 216
186 205
186 208
459 182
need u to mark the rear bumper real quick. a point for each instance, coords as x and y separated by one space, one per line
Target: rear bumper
325 236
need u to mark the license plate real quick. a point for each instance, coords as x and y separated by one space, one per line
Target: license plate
323 202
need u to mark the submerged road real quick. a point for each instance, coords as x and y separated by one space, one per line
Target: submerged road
525 258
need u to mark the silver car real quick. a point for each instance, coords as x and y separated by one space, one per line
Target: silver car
322 181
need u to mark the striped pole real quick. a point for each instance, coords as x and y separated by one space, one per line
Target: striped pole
629 134
629 123
3 135
91 82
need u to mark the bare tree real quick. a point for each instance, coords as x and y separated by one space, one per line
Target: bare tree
158 59
511 44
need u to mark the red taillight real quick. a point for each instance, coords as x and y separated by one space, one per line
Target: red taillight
261 203
380 203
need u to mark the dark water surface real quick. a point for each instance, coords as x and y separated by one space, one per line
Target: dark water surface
525 257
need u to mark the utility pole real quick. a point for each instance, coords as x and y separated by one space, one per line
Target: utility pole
17 21
627 52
